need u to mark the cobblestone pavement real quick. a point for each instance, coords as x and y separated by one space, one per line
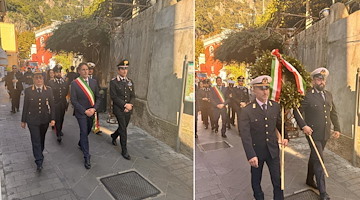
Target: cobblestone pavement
225 173
64 176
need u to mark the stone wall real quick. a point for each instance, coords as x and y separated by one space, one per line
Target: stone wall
156 43
332 43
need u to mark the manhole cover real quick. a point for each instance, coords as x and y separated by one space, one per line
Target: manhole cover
306 195
214 146
129 186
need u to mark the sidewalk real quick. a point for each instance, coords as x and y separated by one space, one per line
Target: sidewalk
64 176
225 173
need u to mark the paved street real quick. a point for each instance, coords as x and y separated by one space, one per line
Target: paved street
225 173
64 176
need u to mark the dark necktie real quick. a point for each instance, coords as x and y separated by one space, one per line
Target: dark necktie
38 90
264 107
322 95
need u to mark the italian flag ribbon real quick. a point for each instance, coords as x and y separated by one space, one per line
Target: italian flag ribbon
276 75
219 94
91 97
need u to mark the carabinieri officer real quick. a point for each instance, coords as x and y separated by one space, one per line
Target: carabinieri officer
258 123
122 93
38 112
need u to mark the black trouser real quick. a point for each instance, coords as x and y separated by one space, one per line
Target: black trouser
85 125
15 99
217 113
123 121
274 169
206 113
314 165
37 133
59 119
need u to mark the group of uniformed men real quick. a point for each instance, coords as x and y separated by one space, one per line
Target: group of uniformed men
46 105
259 120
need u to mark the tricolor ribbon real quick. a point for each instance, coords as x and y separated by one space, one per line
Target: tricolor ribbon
276 75
219 94
91 97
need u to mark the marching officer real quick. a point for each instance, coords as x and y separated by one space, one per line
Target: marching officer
219 99
86 100
96 128
241 97
38 112
13 82
258 123
204 98
122 94
60 89
319 111
231 110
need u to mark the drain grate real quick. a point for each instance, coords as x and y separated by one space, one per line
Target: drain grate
214 146
129 186
306 195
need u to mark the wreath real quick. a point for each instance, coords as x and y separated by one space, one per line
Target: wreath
290 97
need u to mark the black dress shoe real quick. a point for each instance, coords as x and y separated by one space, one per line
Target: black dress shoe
98 133
13 111
113 141
223 135
39 168
324 196
87 164
126 156
311 184
59 139
61 133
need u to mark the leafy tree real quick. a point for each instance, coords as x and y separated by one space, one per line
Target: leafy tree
199 48
234 70
64 59
246 45
25 40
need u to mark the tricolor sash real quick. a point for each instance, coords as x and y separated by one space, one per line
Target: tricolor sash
219 94
91 97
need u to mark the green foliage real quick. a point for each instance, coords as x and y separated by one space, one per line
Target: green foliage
199 48
246 45
234 70
64 59
290 97
80 36
25 40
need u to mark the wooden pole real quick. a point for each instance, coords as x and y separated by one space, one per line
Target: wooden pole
316 150
282 172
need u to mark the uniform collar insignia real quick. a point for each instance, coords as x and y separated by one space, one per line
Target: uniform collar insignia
254 105
270 103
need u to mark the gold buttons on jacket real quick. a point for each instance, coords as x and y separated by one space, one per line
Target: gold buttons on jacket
266 125
265 118
267 133
267 139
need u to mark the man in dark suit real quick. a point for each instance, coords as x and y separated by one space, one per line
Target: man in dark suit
28 78
319 112
60 89
122 94
241 97
71 75
231 110
219 100
258 123
204 100
96 128
85 98
38 112
13 82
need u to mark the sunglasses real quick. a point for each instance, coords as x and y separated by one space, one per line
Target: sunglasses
38 77
263 87
123 68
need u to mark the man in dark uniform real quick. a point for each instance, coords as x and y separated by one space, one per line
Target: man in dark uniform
96 128
230 110
204 99
71 75
38 112
85 98
241 97
13 82
60 89
28 77
122 94
219 99
258 123
319 112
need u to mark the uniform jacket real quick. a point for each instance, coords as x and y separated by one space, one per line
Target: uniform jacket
38 107
79 99
10 85
318 114
121 93
258 129
241 94
60 90
204 93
